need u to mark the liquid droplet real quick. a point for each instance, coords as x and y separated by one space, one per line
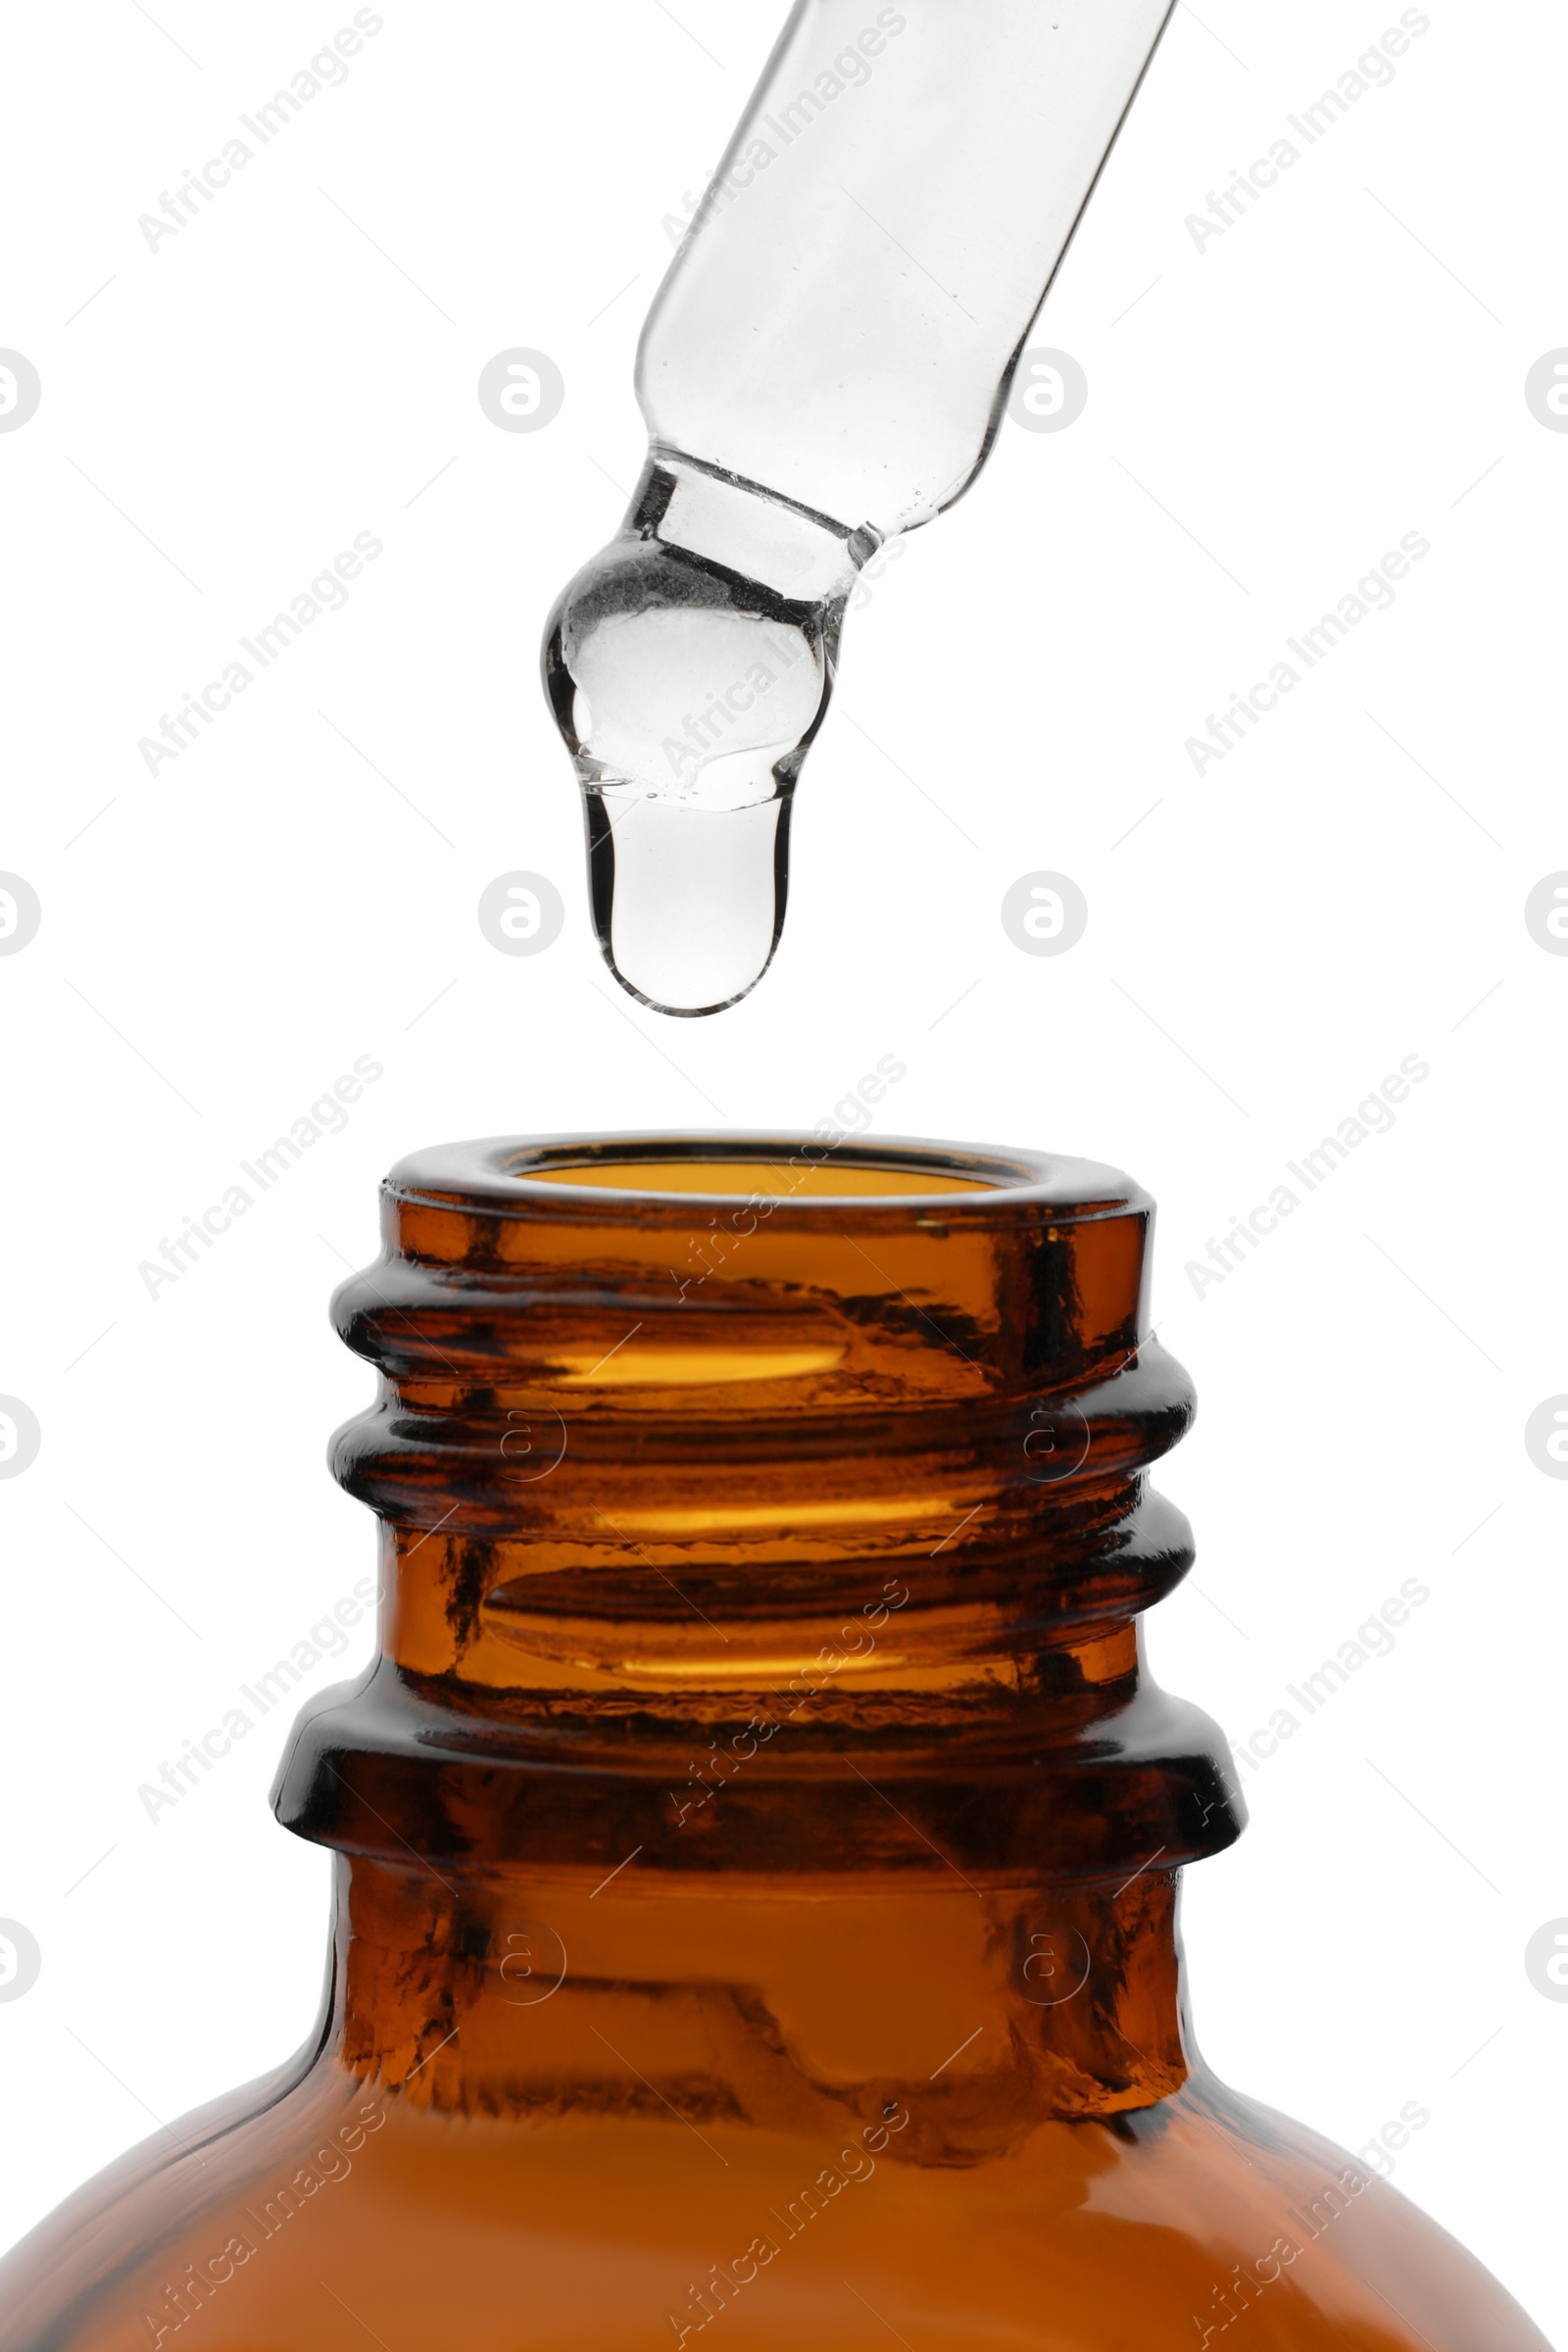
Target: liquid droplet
688 901
688 689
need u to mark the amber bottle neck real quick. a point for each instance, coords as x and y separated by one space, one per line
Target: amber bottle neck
754 1519
974 2011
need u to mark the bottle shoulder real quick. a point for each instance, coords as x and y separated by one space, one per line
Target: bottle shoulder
314 2192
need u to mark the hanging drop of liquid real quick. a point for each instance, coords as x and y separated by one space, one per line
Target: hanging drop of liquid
687 691
688 902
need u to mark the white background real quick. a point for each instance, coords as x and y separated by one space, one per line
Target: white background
1344 367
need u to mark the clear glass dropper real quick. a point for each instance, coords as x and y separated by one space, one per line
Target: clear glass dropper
824 367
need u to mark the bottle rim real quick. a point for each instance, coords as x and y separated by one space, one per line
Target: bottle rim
636 1174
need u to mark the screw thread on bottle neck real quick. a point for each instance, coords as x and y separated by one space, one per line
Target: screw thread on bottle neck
766 1507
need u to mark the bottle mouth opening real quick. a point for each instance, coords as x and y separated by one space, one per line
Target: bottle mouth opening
774 1177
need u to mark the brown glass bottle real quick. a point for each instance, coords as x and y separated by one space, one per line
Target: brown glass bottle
757 1844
